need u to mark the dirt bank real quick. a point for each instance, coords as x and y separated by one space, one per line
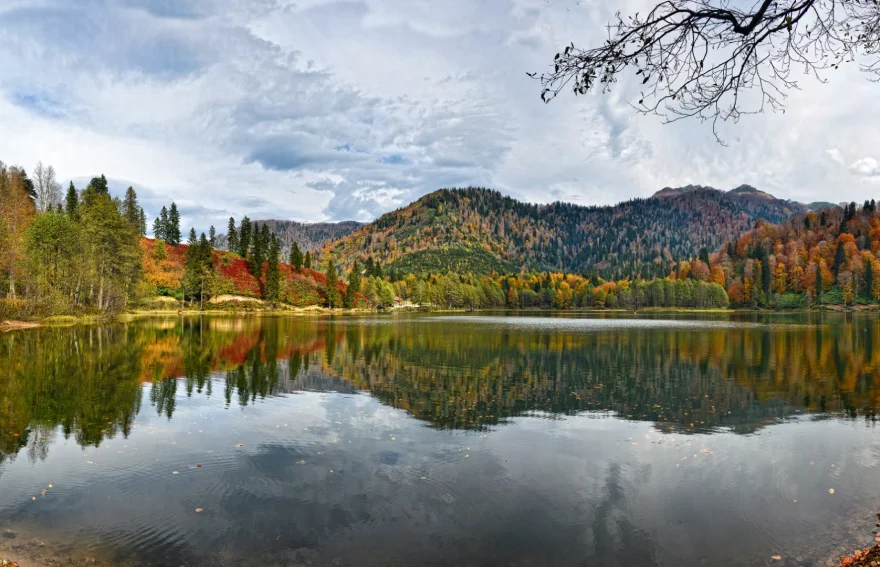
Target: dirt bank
12 325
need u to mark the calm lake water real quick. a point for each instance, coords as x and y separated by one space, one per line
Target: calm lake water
443 440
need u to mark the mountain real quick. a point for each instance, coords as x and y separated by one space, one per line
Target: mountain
482 231
309 236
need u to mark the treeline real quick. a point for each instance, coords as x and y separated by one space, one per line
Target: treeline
75 254
824 257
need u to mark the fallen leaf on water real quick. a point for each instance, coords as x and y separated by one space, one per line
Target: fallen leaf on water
198 466
90 462
830 491
176 472
776 557
240 445
43 492
50 485
198 510
33 497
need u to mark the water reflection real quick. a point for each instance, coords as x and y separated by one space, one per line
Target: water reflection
437 440
452 374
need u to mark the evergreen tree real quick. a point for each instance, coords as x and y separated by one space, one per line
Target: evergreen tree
307 261
273 273
198 267
258 253
131 210
231 236
99 185
71 200
160 226
331 290
244 237
354 285
28 186
704 255
212 236
142 222
839 259
296 257
173 226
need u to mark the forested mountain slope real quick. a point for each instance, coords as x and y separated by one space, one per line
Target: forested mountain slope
309 236
482 231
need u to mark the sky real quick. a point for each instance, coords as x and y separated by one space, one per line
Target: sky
320 110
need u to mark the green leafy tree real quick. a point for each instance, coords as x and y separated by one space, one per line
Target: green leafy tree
354 286
307 262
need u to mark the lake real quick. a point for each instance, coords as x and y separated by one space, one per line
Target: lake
443 440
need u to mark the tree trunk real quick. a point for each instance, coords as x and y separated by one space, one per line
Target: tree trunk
12 280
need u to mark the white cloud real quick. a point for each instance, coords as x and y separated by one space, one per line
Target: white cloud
866 167
325 109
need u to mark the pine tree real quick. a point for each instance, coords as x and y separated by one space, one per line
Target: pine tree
160 226
131 208
212 236
354 286
71 200
244 237
99 184
142 222
173 226
273 273
307 262
331 290
839 258
231 236
258 253
296 257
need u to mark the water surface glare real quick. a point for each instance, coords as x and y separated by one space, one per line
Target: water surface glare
440 440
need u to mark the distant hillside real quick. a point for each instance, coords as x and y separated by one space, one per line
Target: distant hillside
309 236
163 270
480 231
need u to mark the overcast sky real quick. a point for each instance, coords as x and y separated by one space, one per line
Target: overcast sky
321 110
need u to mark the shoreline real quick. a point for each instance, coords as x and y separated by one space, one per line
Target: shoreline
316 310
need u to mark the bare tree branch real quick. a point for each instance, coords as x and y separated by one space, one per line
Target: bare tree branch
711 60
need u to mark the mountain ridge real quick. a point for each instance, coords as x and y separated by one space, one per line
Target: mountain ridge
479 230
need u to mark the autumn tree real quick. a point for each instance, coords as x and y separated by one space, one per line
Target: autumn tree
16 212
